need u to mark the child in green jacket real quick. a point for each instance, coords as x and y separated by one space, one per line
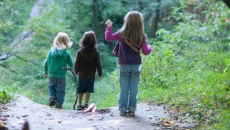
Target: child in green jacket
57 58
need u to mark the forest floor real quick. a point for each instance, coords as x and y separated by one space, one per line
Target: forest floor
13 115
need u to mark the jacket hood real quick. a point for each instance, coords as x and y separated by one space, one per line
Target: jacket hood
57 53
88 54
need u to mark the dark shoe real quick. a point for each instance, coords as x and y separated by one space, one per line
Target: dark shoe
122 113
59 107
52 102
80 107
132 113
86 105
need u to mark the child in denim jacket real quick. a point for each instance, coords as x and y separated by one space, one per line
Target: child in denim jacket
131 39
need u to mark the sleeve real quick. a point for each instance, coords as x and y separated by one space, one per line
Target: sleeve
70 61
146 49
111 37
98 64
77 63
45 65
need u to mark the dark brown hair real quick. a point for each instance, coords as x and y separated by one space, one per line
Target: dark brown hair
88 40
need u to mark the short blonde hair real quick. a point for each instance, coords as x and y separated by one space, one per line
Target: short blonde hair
62 41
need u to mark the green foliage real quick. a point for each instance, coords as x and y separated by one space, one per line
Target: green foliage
29 69
7 87
12 18
188 68
107 91
5 95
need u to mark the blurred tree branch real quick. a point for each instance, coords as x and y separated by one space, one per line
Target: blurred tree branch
5 56
4 66
27 60
14 46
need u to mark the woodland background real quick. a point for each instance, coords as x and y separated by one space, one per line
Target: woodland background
188 68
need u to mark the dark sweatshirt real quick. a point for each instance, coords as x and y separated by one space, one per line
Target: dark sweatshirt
87 62
126 55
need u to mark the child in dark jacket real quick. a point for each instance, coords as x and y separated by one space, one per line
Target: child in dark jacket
86 64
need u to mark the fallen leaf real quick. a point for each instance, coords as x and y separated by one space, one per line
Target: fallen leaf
171 122
48 114
6 116
154 124
166 124
100 118
3 119
90 119
149 109
24 115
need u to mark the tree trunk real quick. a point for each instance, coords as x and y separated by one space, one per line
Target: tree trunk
227 2
155 21
94 19
97 22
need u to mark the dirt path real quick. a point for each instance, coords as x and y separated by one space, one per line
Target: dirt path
41 117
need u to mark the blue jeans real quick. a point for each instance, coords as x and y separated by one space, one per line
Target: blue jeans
56 88
129 81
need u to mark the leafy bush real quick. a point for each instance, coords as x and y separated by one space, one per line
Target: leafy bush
190 69
7 87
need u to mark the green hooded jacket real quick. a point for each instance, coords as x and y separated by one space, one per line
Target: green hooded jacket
55 60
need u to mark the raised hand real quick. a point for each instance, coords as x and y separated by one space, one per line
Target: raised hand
109 23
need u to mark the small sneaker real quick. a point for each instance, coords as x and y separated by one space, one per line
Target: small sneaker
80 107
122 113
86 105
52 102
58 106
132 113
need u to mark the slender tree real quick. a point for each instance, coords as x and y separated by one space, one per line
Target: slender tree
97 20
155 20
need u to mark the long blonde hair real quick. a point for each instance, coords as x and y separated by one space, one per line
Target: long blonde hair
132 31
62 41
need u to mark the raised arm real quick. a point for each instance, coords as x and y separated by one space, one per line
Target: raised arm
108 32
111 37
76 64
